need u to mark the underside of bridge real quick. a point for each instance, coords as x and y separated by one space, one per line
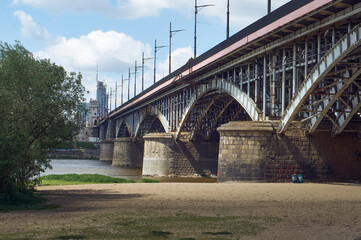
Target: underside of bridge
280 97
209 112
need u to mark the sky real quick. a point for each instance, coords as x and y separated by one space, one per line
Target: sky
110 35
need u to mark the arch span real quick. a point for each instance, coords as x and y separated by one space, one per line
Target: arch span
123 130
223 86
152 120
344 47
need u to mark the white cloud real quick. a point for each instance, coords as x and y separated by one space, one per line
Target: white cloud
121 9
29 28
242 12
78 6
130 9
113 51
180 57
141 8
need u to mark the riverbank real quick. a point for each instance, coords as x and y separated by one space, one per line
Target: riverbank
192 211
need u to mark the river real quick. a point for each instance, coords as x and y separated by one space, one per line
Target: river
88 166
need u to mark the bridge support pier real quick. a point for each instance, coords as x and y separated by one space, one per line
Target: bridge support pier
106 150
157 158
128 152
163 156
241 151
253 151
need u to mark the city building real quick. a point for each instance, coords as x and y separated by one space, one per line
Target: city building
83 114
102 99
93 112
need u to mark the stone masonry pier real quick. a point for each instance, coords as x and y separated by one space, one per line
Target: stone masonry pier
253 151
164 156
246 151
127 152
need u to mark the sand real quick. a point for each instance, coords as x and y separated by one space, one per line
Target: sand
307 210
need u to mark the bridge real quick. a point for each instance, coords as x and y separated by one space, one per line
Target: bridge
280 97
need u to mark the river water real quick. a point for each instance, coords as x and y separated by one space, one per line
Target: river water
88 166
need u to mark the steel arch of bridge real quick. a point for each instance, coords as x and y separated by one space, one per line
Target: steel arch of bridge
123 129
227 87
148 118
335 66
306 69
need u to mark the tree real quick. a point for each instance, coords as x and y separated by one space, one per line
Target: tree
38 102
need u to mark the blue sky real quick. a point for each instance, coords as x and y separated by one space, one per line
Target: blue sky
79 34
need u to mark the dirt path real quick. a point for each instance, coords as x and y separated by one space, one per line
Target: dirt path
305 211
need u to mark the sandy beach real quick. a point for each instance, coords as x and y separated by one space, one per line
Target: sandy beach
305 211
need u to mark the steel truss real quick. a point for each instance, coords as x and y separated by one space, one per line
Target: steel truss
310 74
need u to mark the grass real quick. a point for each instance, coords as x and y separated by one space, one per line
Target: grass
75 179
23 201
152 225
33 201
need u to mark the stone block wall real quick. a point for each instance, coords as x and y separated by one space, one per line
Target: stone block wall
163 156
106 150
252 151
128 152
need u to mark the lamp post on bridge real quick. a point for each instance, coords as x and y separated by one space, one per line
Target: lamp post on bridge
122 90
116 91
143 62
128 84
155 58
227 19
110 98
196 11
135 77
269 7
171 33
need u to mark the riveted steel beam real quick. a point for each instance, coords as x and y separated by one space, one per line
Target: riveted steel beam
341 49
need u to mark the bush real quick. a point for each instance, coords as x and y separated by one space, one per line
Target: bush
38 104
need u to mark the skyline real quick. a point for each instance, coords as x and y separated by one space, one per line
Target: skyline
83 35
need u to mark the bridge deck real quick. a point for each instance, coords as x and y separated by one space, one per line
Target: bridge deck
285 21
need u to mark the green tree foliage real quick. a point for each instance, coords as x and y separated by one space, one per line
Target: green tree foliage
38 102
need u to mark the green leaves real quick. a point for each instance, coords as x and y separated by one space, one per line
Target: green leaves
38 102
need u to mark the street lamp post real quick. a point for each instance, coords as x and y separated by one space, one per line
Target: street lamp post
122 89
155 58
129 84
269 7
135 77
196 7
171 33
227 19
110 98
116 92
143 62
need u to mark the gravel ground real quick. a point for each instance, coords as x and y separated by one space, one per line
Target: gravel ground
307 211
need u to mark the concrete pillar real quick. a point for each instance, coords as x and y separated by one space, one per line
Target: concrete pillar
128 153
157 154
241 150
106 150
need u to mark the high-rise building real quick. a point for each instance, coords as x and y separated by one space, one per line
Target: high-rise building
102 99
82 110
